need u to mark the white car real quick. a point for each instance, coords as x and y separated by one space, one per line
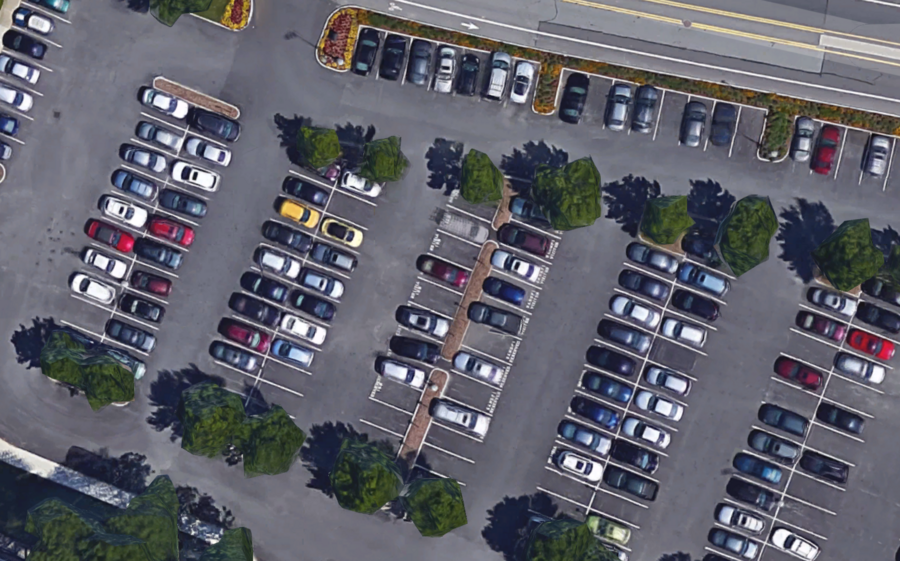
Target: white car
93 289
402 372
305 330
208 151
480 368
20 100
522 82
684 332
833 301
637 429
164 103
160 135
123 211
857 367
509 262
327 285
276 262
33 21
788 541
446 70
116 268
360 184
580 466
197 177
460 417
667 380
626 307
19 69
739 518
661 406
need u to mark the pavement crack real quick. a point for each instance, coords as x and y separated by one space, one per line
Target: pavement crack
860 80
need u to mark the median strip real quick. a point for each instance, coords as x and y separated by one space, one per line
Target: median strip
194 97
421 421
473 293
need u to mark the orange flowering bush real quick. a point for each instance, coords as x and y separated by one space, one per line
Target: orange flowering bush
237 14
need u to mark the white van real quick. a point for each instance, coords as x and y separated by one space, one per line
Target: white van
500 64
464 227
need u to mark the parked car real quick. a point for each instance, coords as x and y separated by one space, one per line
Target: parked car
276 262
123 211
293 353
422 320
392 57
595 412
802 142
366 49
644 285
233 356
751 494
478 367
877 154
667 380
154 161
182 202
698 244
606 386
214 124
618 107
495 318
265 287
871 344
503 290
624 335
461 417
580 466
611 360
446 70
500 65
61 6
16 98
116 268
824 467
790 542
852 365
641 430
8 125
783 419
110 235
628 308
636 485
790 369
659 260
5 151
93 289
327 255
158 253
522 82
18 69
574 96
141 308
583 436
194 176
244 334
877 288
148 282
159 135
628 453
684 332
312 305
527 209
524 239
832 301
821 325
754 467
171 230
164 103
419 67
130 336
442 270
208 151
301 214
826 148
733 543
695 304
292 324
401 372
724 121
840 418
359 184
415 349
254 309
516 265
693 124
739 518
652 403
644 109
467 81
693 275
779 449
33 21
879 317
344 233
287 237
606 529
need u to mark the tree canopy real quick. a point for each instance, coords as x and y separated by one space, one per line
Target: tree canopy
665 218
435 505
168 11
364 478
890 272
319 147
152 517
383 160
270 443
480 180
744 236
566 540
569 196
848 257
211 417
235 545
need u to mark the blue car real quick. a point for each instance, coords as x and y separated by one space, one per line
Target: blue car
606 386
504 291
757 468
61 6
693 275
595 412
131 183
9 125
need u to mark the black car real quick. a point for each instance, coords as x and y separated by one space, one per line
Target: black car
527 210
642 284
287 236
695 304
392 57
22 43
781 418
624 335
418 319
592 410
215 124
182 202
304 191
574 96
419 67
366 49
467 78
636 456
611 360
644 109
840 418
824 467
879 317
606 387
750 494
265 287
877 288
158 253
699 245
723 122
144 309
254 309
415 349
312 305
130 336
638 486
494 317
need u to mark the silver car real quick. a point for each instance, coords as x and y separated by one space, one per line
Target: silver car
618 107
446 70
877 155
802 143
659 260
693 124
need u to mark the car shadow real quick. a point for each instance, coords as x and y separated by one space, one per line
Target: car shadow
165 394
139 6
680 556
29 341
625 200
353 140
804 227
288 132
520 166
444 161
884 239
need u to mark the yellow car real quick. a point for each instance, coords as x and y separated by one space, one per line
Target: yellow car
341 232
299 213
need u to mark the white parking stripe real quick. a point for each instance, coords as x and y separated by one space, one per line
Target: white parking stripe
467 269
662 98
737 122
475 216
834 430
391 406
448 289
890 161
379 427
46 12
450 429
448 452
837 165
518 251
445 233
436 474
342 219
841 348
484 354
417 305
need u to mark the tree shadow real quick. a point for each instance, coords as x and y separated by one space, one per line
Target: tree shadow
201 506
320 452
288 130
165 393
804 227
625 200
680 556
505 531
521 164
353 140
29 341
139 6
708 204
885 238
444 161
128 472
254 402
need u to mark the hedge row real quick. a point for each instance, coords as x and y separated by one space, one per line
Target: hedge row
781 109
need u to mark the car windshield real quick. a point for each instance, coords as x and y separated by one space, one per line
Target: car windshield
577 90
521 85
337 230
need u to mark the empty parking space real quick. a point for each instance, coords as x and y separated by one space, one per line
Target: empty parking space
748 132
473 393
431 296
849 167
670 117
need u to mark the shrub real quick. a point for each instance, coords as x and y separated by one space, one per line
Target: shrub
570 196
848 257
383 161
319 147
211 417
480 180
435 505
364 478
744 235
665 218
270 443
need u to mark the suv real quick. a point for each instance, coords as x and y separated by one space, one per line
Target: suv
618 106
500 63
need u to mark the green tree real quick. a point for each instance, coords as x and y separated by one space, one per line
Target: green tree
319 147
211 417
480 180
744 236
364 478
435 505
235 545
566 540
383 161
152 517
270 443
848 257
568 196
168 11
60 529
665 218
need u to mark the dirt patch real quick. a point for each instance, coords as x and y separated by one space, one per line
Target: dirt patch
473 292
503 214
196 98
671 248
421 421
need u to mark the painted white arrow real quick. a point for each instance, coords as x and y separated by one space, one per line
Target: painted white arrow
469 26
394 7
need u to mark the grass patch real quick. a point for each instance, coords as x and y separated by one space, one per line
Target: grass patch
215 11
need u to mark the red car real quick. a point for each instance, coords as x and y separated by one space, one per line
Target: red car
871 344
524 239
798 372
823 158
110 235
442 270
245 335
170 230
151 283
821 325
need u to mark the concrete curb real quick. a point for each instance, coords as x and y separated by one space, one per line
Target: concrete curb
325 28
503 213
460 323
197 98
421 419
225 27
6 12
